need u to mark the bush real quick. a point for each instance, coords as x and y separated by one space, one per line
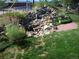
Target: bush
14 32
66 21
59 20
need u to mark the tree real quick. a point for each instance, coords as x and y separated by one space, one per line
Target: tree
2 3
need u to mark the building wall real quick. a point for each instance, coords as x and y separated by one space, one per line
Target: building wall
20 4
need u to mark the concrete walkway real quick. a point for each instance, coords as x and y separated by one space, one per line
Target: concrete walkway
1 12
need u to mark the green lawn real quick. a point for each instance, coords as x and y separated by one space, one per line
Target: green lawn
64 45
57 45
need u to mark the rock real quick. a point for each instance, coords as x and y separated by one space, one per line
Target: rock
29 34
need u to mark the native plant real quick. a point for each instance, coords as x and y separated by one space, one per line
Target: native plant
14 32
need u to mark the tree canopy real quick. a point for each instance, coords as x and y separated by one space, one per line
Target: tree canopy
2 3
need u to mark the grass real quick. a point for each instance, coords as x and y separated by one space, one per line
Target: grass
75 17
62 45
57 45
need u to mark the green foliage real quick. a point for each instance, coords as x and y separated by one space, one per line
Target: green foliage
4 45
19 56
66 2
59 20
14 32
46 2
3 38
66 21
2 4
16 14
60 45
74 17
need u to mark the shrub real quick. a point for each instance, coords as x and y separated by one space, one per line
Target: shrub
59 20
14 32
65 20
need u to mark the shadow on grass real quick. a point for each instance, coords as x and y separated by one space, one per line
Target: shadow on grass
4 45
25 42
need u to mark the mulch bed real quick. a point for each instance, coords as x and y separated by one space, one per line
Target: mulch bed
65 27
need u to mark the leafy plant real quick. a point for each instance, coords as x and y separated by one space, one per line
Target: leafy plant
60 20
14 32
66 21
